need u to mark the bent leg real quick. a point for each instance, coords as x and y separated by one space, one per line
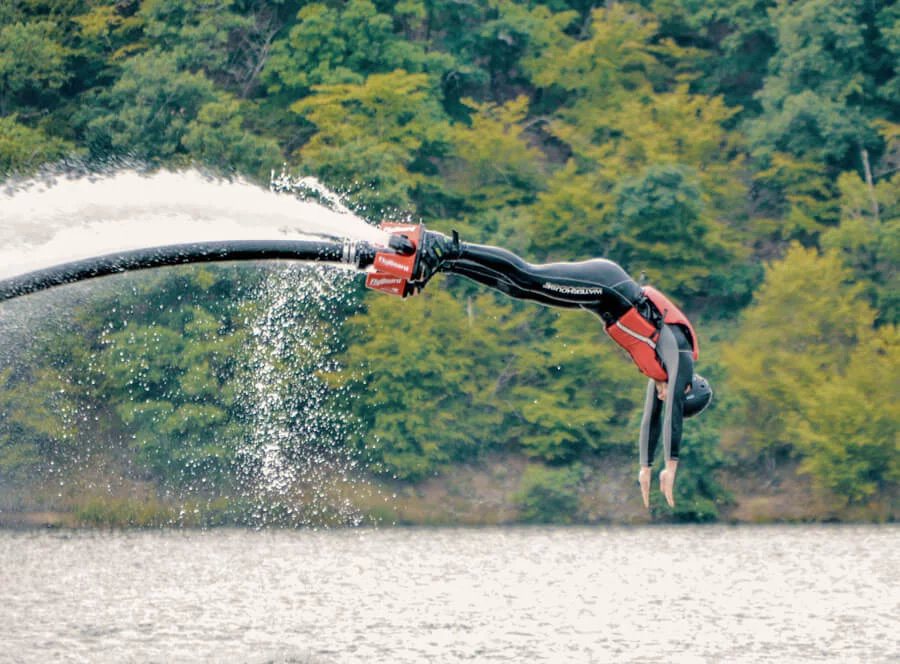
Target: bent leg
598 285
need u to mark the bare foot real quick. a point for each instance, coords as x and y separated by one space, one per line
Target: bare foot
667 481
667 486
644 477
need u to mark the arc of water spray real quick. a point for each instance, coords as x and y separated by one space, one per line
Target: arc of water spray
150 194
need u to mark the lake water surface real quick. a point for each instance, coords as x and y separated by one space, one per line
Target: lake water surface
649 594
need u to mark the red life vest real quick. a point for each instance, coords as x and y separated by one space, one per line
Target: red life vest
638 336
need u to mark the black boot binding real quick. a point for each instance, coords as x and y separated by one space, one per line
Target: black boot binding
435 252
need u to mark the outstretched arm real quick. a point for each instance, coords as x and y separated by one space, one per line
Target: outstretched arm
664 409
667 399
675 351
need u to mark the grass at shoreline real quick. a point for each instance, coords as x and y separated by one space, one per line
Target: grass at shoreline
481 494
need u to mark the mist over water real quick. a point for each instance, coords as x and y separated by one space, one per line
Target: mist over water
295 466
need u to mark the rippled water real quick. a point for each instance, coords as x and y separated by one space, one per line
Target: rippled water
662 594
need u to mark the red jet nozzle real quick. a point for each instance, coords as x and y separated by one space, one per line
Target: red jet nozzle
393 269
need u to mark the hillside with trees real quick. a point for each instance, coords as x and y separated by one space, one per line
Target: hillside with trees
745 155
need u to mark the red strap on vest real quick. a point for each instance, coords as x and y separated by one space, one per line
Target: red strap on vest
672 315
638 337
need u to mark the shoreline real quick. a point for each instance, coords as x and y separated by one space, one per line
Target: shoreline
62 522
485 494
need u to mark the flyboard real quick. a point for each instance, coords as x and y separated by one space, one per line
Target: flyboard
389 268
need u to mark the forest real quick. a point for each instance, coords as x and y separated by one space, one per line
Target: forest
744 155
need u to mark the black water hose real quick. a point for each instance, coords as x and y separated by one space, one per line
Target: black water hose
356 254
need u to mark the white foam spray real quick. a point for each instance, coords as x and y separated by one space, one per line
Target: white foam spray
46 222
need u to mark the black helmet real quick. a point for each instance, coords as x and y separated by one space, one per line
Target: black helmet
698 398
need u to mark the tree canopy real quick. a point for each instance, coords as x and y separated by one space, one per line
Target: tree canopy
743 154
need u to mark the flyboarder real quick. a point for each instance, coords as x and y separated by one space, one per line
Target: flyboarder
654 332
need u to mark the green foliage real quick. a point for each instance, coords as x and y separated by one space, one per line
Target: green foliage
23 149
737 38
823 102
617 60
109 31
850 428
662 225
800 199
22 436
627 120
513 42
43 401
150 108
453 380
800 331
491 163
570 392
698 491
423 380
548 495
217 138
868 238
374 137
32 65
694 140
825 69
332 46
888 23
171 381
198 33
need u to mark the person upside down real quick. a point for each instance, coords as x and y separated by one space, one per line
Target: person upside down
654 332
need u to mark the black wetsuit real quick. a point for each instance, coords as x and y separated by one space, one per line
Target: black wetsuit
605 289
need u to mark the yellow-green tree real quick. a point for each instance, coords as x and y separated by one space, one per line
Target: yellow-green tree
491 164
35 421
23 149
32 65
797 336
647 153
572 392
424 375
849 430
218 139
374 139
